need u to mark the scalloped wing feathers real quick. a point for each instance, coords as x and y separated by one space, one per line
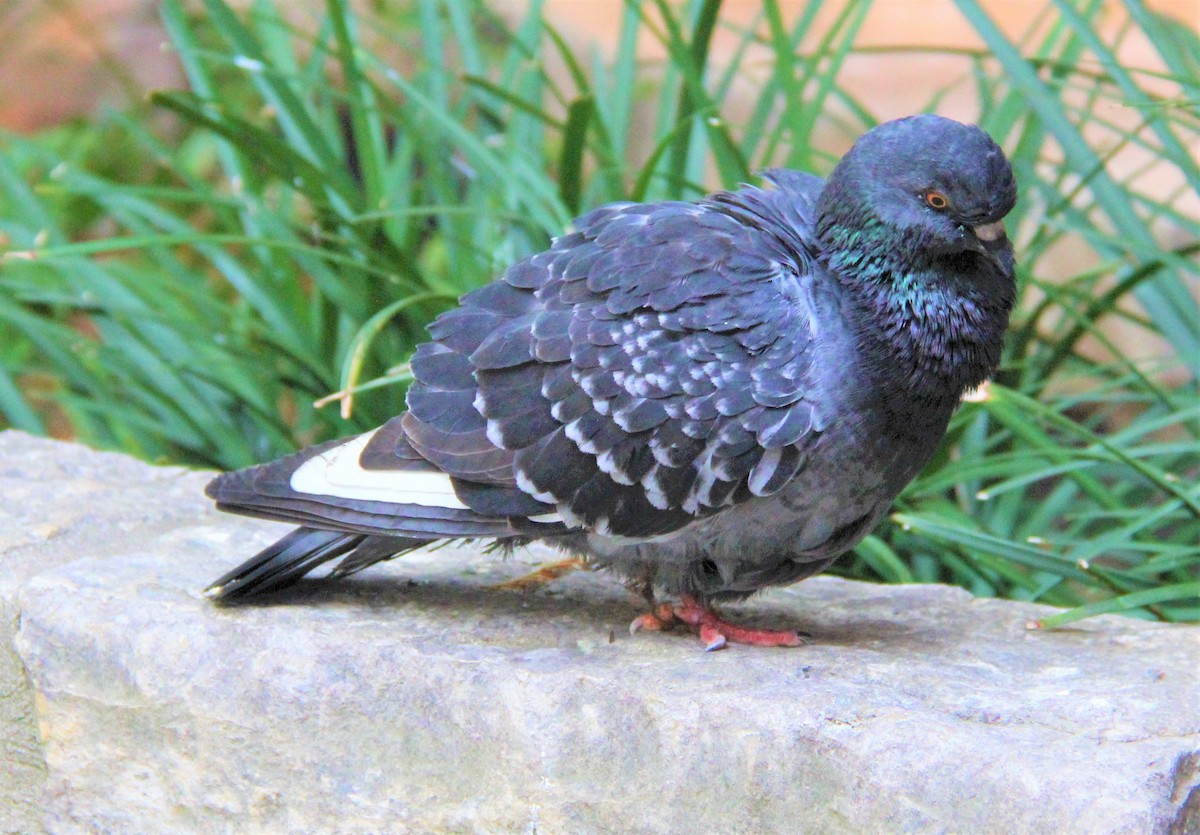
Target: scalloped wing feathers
649 369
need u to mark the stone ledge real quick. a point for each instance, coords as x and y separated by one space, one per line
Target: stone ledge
416 698
60 502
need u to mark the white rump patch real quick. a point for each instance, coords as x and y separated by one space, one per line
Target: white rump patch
336 472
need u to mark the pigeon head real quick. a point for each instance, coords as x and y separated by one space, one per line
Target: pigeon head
913 191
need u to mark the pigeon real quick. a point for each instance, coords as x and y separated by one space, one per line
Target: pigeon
704 398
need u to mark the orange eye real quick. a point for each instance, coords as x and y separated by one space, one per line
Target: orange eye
936 200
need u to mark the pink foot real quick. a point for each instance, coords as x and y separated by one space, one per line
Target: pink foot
713 631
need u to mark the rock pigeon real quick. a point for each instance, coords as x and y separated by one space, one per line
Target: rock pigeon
704 398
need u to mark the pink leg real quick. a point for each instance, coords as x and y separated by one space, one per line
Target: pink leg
714 632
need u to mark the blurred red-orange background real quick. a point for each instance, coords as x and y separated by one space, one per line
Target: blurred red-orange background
64 58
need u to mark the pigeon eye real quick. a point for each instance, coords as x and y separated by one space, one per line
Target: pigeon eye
936 200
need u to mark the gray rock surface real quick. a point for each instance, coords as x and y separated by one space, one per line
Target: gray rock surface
61 502
416 698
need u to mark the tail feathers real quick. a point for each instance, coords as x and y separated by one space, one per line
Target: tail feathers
299 552
381 518
337 493
371 550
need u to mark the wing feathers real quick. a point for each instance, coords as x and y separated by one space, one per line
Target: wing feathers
647 370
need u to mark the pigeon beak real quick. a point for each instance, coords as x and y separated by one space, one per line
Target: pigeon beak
989 232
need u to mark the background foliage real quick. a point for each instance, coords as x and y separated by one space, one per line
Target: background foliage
187 289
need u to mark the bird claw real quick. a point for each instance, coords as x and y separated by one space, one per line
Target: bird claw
661 618
712 638
714 633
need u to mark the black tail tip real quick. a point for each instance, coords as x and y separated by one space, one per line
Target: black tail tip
281 564
216 593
